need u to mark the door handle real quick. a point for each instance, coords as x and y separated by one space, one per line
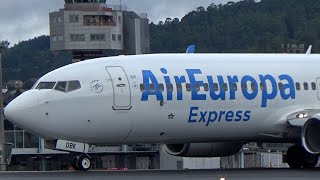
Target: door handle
121 85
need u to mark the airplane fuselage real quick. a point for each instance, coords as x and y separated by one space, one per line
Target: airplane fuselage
174 98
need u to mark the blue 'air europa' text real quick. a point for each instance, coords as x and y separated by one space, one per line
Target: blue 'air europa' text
268 93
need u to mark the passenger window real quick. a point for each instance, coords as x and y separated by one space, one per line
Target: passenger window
197 87
152 87
215 86
61 86
179 87
206 86
169 87
261 86
244 86
45 85
306 86
225 87
298 87
280 86
161 87
142 88
235 86
73 85
313 85
188 86
253 87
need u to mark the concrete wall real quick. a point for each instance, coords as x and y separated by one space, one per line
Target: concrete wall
274 160
230 162
136 34
145 36
142 162
133 30
168 162
65 28
201 163
56 29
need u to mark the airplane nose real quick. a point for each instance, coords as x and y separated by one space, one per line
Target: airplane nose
25 100
15 110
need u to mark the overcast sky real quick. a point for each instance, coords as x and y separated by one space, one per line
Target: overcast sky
24 19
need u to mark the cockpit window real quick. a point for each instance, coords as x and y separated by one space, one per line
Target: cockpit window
61 86
35 85
67 86
45 85
73 85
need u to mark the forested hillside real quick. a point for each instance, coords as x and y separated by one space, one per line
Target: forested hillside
32 59
245 26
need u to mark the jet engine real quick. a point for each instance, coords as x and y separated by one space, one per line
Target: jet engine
311 136
203 149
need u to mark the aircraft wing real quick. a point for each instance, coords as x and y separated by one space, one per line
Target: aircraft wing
299 118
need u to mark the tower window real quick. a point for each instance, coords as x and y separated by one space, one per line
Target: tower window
97 37
77 37
74 18
114 37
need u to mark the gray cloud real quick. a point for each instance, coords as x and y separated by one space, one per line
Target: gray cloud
22 20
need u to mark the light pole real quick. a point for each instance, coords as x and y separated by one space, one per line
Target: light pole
3 46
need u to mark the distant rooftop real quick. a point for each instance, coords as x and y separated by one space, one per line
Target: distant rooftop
84 1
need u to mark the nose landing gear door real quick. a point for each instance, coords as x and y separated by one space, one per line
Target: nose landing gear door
121 88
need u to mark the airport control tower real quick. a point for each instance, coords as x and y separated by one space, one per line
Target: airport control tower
92 28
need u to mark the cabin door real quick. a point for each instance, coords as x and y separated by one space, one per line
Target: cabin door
121 88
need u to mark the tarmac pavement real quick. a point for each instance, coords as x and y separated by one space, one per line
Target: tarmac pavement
241 174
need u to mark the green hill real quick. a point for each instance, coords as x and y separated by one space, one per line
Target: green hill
245 26
32 59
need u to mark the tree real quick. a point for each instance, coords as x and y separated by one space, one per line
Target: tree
200 9
245 26
168 21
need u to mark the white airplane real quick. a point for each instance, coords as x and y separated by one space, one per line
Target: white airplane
198 105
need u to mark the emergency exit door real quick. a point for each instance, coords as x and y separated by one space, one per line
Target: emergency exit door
121 88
